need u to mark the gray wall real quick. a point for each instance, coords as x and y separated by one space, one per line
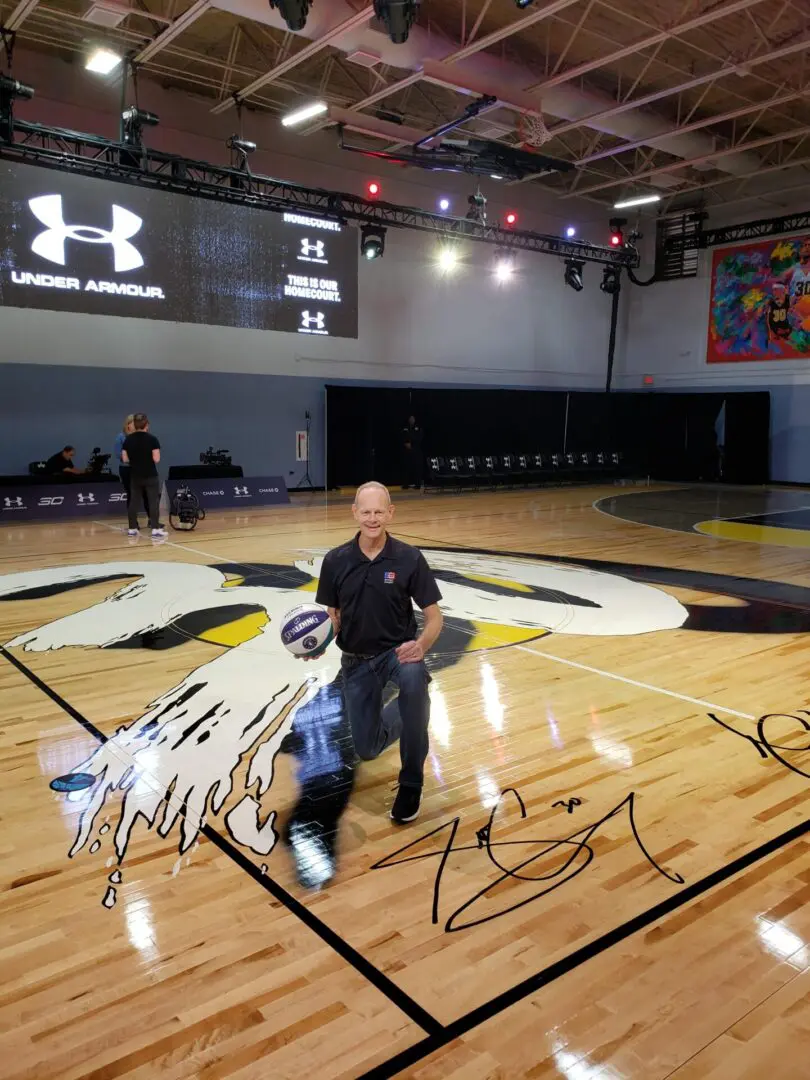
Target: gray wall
44 407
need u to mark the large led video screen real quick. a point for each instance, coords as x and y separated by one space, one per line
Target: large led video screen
76 243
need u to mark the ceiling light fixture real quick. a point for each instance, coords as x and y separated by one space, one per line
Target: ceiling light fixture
306 112
636 200
102 61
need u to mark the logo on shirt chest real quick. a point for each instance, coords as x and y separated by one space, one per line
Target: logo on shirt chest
389 577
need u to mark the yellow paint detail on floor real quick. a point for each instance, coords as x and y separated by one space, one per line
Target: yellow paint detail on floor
518 586
755 534
495 635
309 586
235 632
231 583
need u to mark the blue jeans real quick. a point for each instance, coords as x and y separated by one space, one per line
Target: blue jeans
406 719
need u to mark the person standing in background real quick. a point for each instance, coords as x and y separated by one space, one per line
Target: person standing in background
118 447
141 451
412 463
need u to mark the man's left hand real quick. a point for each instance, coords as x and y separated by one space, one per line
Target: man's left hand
410 652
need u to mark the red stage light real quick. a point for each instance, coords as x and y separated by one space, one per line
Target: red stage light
373 188
615 239
511 218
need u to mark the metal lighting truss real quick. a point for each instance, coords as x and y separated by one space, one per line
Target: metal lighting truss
734 234
92 155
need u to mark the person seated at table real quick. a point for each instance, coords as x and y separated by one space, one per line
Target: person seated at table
62 463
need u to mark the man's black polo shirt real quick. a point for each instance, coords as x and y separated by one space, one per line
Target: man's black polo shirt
374 597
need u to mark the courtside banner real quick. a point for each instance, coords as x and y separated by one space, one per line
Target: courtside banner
59 501
77 243
233 494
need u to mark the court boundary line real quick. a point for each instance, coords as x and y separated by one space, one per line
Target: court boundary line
364 967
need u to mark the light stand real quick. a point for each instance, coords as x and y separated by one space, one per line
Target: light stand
305 482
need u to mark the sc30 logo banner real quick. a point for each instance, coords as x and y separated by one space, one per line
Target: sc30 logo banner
78 243
51 502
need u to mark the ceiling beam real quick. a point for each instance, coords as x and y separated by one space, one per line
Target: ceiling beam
20 14
469 49
674 166
180 24
308 51
658 95
647 43
684 129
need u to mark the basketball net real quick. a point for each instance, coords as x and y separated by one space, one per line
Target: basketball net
532 131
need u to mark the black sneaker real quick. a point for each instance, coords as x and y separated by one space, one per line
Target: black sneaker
406 805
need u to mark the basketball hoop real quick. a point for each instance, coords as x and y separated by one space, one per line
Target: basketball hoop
532 131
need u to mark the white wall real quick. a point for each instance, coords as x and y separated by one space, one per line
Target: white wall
414 326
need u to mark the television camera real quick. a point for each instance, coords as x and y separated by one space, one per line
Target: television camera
215 457
98 462
185 510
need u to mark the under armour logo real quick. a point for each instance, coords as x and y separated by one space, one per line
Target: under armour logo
86 498
50 244
317 248
239 491
9 503
318 319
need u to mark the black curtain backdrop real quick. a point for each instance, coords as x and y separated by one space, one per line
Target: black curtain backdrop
663 435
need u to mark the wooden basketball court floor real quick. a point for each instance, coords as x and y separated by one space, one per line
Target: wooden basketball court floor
611 872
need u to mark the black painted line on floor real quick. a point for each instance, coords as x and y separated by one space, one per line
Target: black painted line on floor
533 983
412 1009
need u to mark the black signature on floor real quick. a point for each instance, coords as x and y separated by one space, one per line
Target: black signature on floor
579 855
764 746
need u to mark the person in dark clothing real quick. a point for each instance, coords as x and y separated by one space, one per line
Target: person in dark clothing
368 586
412 460
141 452
62 463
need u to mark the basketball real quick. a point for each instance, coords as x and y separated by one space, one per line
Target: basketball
306 630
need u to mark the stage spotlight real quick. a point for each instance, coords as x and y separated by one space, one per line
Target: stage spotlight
240 145
306 112
397 16
616 234
447 258
477 210
372 242
293 12
373 189
573 274
570 232
444 205
102 61
611 280
504 267
134 121
510 220
10 89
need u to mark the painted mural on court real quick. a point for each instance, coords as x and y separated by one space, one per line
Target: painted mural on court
212 739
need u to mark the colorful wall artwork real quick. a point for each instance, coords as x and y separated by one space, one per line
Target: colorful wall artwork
760 302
